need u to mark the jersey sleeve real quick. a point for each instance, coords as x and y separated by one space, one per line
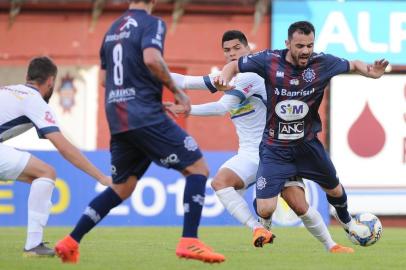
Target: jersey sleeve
154 35
220 107
253 63
194 82
41 115
246 85
335 65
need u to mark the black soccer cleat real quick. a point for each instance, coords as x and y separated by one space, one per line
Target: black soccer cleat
39 251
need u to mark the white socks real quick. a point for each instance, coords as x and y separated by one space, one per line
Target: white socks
315 225
237 207
39 207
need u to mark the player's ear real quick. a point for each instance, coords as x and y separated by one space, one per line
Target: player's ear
287 43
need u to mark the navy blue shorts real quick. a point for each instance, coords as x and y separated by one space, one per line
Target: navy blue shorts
307 159
165 143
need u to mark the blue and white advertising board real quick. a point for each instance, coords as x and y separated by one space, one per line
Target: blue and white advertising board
156 201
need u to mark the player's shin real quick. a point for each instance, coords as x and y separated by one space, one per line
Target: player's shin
237 207
95 212
39 207
315 225
340 205
193 201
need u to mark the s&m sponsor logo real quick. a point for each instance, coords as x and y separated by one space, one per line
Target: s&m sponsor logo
290 110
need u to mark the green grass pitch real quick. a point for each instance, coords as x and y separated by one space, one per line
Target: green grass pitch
153 248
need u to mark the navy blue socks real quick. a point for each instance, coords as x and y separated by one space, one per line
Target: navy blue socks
98 208
193 201
340 204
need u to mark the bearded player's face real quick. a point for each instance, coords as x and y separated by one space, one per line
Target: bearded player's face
300 47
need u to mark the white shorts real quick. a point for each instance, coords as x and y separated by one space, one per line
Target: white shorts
12 162
246 168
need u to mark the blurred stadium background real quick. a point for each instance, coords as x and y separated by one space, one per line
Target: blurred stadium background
364 120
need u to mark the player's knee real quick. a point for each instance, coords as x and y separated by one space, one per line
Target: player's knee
299 208
218 184
124 190
264 212
46 170
335 192
199 167
221 182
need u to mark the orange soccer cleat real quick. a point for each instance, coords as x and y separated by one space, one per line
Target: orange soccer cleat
341 249
193 248
262 236
68 250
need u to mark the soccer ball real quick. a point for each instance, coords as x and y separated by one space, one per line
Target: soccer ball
374 231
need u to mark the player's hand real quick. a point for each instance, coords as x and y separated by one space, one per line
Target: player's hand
106 180
378 68
221 84
173 109
182 99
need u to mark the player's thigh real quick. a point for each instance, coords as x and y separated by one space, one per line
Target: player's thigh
126 158
169 146
36 168
12 162
243 168
275 168
314 163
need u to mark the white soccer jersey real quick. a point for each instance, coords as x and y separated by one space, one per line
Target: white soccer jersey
23 107
250 114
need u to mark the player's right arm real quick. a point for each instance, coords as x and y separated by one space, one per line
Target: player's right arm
74 156
220 107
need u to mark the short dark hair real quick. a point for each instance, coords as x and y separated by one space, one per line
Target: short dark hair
303 27
234 34
40 69
137 1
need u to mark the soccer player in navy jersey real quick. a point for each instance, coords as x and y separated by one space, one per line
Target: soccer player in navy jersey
141 132
295 79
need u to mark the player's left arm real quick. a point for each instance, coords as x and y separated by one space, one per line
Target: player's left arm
103 65
152 49
74 156
103 77
375 70
194 82
227 73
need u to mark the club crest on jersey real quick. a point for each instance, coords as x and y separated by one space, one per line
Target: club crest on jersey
261 183
67 93
308 75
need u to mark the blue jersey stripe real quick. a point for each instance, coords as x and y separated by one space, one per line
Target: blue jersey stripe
236 93
243 114
209 85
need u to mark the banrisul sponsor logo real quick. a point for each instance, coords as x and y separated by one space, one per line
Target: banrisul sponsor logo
290 110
